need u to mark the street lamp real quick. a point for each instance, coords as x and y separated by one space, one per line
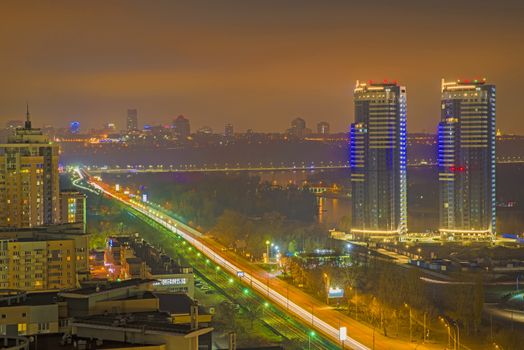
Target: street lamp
410 323
458 335
267 250
448 327
326 281
356 302
309 336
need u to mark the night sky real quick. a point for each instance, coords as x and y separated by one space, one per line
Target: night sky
256 64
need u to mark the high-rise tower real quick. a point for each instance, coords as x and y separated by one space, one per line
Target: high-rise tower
228 130
29 192
378 161
181 127
466 160
132 120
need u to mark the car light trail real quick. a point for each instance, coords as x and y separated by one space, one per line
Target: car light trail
191 235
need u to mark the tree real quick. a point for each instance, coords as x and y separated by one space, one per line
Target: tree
230 227
225 316
254 313
292 246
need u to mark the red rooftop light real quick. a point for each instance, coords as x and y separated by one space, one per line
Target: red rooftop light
457 169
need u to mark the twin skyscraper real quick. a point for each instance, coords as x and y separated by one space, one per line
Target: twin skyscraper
465 157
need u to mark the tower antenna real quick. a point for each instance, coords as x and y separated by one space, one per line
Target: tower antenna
27 117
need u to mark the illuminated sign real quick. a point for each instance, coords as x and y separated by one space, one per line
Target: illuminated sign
336 292
240 273
343 333
144 197
170 282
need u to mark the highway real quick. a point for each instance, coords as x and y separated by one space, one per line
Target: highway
308 309
273 317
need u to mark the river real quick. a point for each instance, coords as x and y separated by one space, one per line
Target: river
331 210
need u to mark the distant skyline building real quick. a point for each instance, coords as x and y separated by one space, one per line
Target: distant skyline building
74 127
181 127
323 128
110 127
466 160
378 161
228 130
14 124
205 130
298 123
298 128
132 120
29 183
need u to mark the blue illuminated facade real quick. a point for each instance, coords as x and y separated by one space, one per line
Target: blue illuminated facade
466 160
74 127
377 157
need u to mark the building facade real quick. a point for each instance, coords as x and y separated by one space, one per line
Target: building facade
73 207
51 258
24 315
466 160
29 182
378 161
32 264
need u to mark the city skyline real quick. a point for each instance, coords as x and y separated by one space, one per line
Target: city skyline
282 175
290 60
137 123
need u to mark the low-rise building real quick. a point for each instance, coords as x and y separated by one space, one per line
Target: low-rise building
182 308
128 296
23 314
51 258
151 328
135 258
111 315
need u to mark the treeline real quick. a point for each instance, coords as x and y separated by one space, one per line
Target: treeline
240 211
249 235
201 199
383 294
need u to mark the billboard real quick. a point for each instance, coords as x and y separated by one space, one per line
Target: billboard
335 292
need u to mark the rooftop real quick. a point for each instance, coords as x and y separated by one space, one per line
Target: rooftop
33 299
68 229
144 321
134 260
177 303
53 341
106 286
